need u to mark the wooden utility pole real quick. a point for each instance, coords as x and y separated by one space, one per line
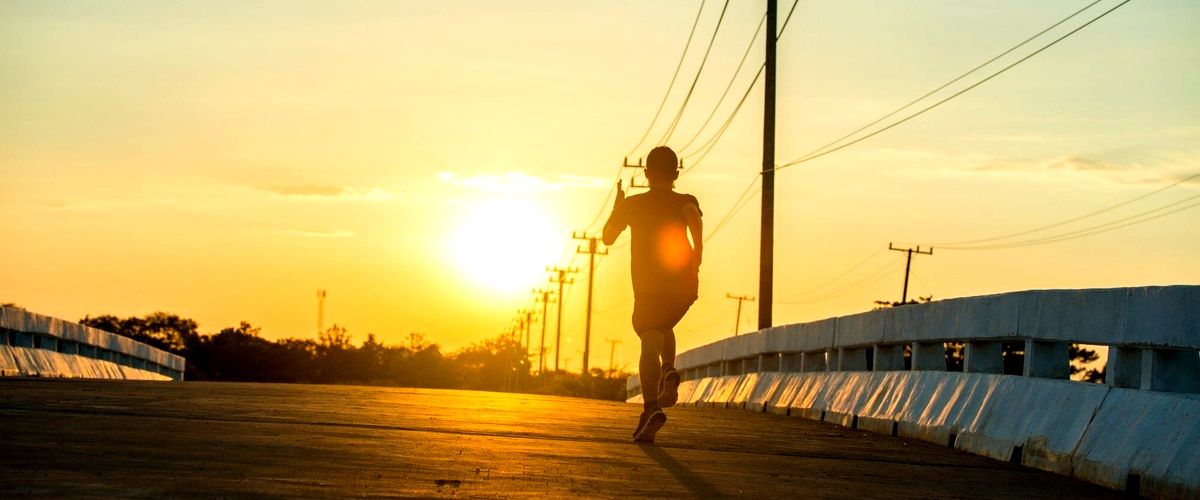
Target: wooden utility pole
528 328
766 248
320 312
737 323
593 249
908 266
543 295
560 277
612 354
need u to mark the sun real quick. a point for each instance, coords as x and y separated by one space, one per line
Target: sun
505 244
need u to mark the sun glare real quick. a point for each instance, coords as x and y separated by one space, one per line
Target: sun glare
505 245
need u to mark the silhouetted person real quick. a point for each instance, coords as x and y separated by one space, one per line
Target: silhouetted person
665 268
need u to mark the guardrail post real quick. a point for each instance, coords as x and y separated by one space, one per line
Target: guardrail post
789 362
888 358
929 356
1170 370
984 356
1047 359
852 359
813 362
768 363
1124 367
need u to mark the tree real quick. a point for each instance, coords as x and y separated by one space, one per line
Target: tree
168 332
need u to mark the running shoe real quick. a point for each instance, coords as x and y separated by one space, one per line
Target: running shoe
648 425
668 388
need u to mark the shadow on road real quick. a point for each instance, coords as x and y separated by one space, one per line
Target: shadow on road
690 480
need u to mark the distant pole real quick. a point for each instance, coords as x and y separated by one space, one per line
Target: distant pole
766 245
737 323
544 298
612 354
593 249
528 328
320 312
908 266
560 277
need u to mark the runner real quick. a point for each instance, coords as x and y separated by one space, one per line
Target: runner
665 269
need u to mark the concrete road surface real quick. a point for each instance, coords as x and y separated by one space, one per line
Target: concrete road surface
153 439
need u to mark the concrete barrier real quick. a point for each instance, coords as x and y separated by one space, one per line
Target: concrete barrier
1109 436
36 345
884 371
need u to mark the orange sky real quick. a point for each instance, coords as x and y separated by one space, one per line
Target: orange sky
424 162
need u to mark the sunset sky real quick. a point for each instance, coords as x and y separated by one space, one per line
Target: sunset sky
424 161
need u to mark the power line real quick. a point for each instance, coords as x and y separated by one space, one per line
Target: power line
711 142
952 96
867 280
1073 219
1079 233
953 81
716 29
732 79
671 85
839 276
733 209
787 19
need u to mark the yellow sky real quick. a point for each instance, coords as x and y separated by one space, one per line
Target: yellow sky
224 161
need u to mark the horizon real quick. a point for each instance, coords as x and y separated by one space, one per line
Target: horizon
223 162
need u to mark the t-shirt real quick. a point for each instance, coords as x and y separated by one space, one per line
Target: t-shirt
662 259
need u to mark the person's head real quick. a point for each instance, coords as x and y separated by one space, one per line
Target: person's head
662 167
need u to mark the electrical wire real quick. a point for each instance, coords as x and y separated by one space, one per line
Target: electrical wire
674 123
741 201
712 141
671 85
708 145
955 80
814 156
867 280
732 79
1079 233
837 277
1073 219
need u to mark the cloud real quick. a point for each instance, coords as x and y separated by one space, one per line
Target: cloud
318 233
517 182
69 202
1160 173
330 192
1068 163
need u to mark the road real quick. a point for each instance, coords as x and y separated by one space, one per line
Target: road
152 439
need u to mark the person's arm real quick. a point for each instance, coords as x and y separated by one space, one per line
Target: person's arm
696 227
616 220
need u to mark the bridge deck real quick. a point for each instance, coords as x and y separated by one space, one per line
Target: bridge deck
73 438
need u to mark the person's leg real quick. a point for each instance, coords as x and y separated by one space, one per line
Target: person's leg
668 349
649 367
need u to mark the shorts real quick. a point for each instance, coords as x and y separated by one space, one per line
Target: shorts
659 311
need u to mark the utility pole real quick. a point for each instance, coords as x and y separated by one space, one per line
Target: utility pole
593 249
543 297
560 277
766 244
520 331
612 354
908 266
528 328
320 312
740 299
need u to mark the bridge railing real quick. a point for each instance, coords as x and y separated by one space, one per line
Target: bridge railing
23 330
1152 335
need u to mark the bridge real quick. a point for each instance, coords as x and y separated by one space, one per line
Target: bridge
886 371
880 413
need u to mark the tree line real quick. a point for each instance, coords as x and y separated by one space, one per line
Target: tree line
241 354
